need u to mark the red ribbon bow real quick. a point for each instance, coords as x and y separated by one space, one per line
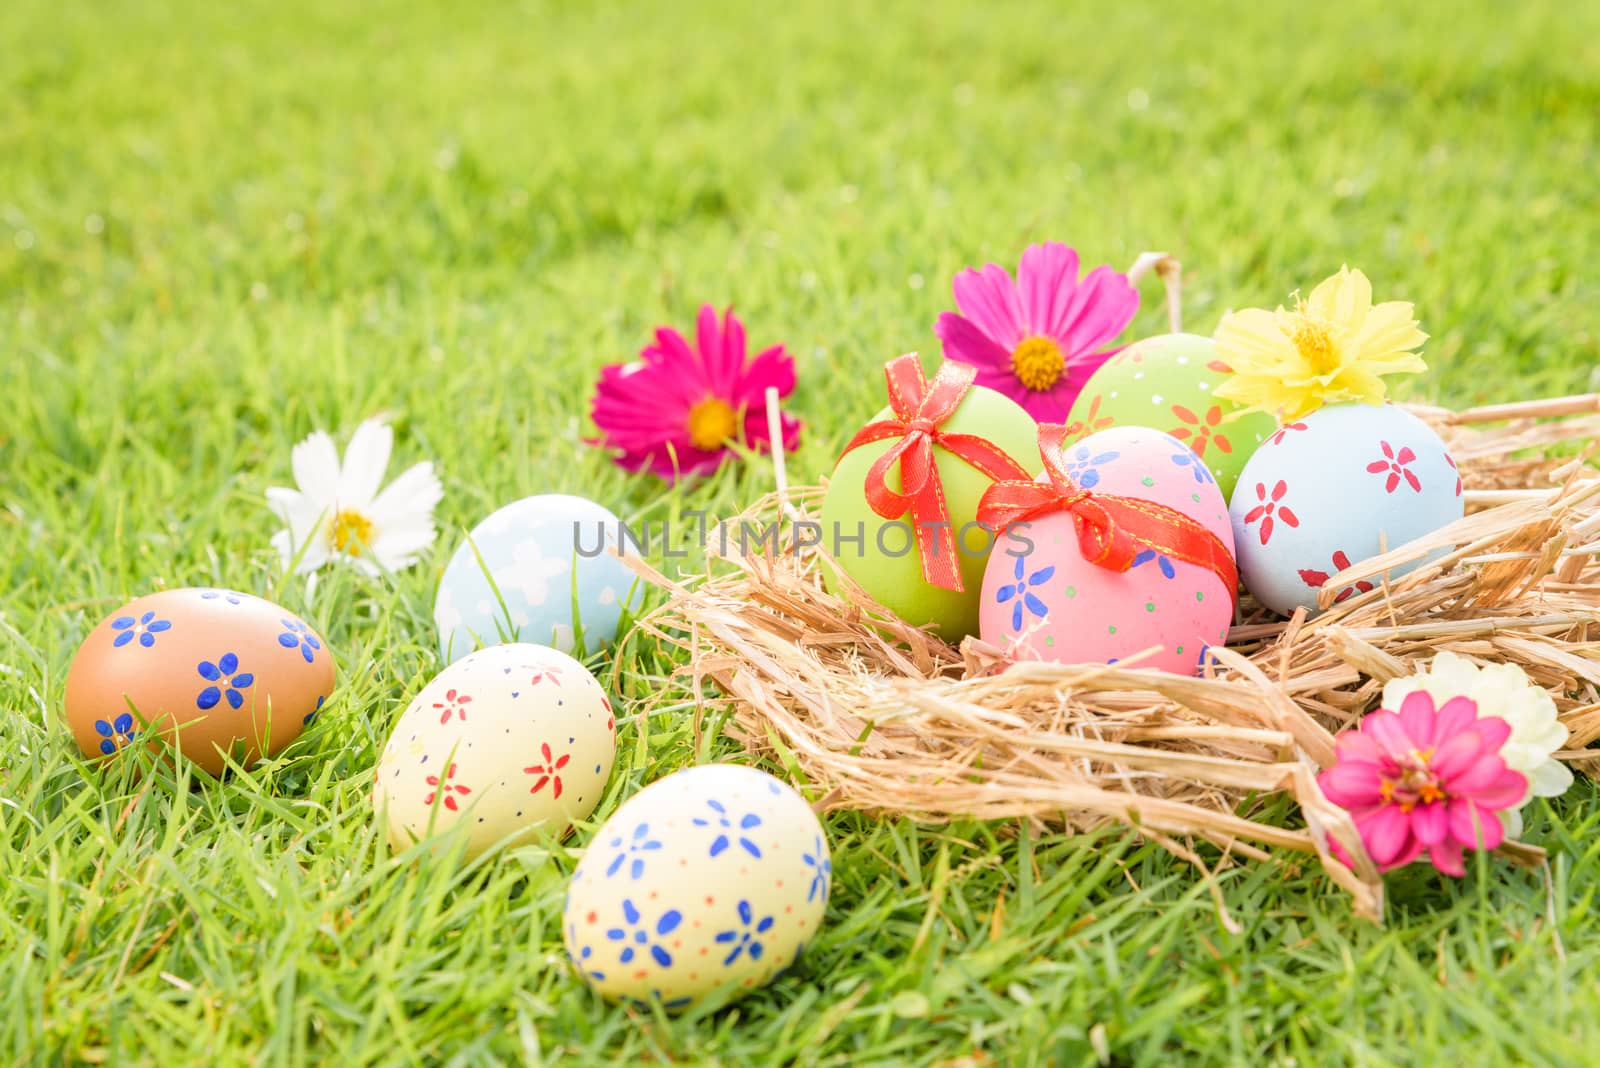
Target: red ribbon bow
1111 529
919 409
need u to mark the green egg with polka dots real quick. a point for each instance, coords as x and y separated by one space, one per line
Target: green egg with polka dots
1167 383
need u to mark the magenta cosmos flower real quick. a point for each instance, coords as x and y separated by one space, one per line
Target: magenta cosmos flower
1038 339
679 408
1422 778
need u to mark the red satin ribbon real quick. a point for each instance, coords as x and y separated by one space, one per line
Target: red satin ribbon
919 409
1111 529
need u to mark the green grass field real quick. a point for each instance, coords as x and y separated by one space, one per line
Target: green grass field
223 226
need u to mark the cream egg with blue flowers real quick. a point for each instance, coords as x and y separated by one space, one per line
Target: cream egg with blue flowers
712 879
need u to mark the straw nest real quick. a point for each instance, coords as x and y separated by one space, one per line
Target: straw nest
886 718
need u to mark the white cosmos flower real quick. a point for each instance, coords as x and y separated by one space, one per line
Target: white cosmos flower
337 513
1502 690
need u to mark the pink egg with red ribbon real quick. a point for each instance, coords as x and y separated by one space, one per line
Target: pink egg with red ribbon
1121 546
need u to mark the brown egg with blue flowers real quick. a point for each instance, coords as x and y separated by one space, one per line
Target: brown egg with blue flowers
214 672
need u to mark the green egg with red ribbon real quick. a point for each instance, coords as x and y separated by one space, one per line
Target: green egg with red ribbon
1122 546
900 517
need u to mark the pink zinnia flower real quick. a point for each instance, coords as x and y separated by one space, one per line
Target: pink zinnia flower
1427 779
1038 339
679 408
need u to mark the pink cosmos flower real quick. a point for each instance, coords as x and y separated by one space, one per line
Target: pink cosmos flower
1038 339
1423 778
679 408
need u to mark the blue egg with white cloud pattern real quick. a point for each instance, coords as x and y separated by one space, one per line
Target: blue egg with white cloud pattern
538 570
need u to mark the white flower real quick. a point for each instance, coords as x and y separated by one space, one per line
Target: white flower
337 513
1502 690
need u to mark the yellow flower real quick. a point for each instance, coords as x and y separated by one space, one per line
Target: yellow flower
1332 348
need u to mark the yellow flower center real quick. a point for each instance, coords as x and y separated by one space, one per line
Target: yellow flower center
711 423
352 532
1313 340
1037 362
1416 784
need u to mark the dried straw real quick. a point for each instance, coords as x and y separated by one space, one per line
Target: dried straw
883 717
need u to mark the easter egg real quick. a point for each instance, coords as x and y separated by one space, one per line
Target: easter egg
715 877
881 554
215 672
1043 601
503 741
1332 488
1166 383
538 570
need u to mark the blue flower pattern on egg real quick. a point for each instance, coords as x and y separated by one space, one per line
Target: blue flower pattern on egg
1081 466
145 629
297 635
227 596
228 681
309 716
1196 466
821 870
746 937
641 842
636 935
115 733
755 891
581 962
643 1005
1144 556
1019 593
722 821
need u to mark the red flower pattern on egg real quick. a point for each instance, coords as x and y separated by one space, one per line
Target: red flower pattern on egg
1204 431
1341 560
453 704
1451 460
1092 420
1270 510
542 674
450 789
1283 432
1396 466
549 771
